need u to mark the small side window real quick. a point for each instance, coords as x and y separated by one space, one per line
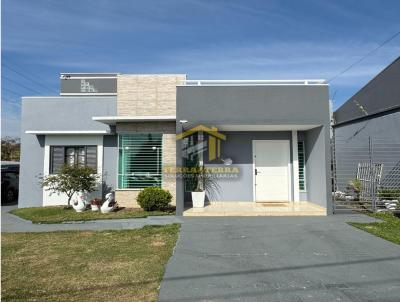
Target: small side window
302 167
57 158
74 156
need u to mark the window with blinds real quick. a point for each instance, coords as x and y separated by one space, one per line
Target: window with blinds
140 160
83 156
302 167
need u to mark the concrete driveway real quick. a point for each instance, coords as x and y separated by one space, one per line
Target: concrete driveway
281 259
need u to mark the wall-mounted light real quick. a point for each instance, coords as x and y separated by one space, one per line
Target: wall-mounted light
227 161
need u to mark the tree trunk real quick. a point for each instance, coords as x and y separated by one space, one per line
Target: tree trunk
69 201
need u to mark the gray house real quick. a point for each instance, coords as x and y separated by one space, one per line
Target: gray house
367 130
265 142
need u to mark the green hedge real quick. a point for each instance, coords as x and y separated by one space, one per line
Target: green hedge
389 194
154 199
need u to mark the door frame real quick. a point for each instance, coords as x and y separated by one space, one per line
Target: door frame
253 142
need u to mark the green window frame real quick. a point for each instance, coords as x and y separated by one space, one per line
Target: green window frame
302 166
140 160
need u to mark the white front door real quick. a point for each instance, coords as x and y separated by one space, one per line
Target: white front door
271 160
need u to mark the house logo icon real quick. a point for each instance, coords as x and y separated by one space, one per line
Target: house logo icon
213 144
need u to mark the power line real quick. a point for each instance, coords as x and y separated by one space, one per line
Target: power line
12 103
16 101
362 58
11 91
19 84
28 78
26 73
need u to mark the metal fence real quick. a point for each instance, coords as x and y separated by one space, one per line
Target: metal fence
365 174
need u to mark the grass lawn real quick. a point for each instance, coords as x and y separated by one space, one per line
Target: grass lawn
60 214
86 266
389 229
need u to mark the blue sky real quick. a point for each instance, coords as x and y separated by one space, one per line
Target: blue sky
205 39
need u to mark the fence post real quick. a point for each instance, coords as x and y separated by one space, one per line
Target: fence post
372 175
333 170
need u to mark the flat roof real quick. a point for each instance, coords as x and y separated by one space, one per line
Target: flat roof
254 82
66 132
87 75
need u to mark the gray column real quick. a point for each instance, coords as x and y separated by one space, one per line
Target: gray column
180 194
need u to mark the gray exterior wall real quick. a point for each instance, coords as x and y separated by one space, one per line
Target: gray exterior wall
31 168
238 147
386 127
261 105
352 147
318 170
53 113
110 163
264 105
101 85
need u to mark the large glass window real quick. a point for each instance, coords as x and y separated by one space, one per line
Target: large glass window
72 155
302 166
140 160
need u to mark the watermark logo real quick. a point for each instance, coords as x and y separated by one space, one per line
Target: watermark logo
213 144
203 160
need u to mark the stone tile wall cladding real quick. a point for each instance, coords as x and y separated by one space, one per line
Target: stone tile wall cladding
140 95
149 95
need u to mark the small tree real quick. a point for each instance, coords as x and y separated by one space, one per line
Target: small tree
70 180
10 148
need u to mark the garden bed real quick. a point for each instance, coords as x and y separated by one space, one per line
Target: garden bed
60 214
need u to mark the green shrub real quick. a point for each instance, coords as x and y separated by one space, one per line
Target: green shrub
354 187
154 199
389 194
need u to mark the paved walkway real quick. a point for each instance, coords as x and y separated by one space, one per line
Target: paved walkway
12 223
281 259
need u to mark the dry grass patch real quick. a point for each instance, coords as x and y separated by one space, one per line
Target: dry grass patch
86 266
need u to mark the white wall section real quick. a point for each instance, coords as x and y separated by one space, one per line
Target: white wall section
51 199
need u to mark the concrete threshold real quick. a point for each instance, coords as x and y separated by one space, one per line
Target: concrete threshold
229 208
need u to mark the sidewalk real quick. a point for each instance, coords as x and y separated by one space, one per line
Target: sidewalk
12 223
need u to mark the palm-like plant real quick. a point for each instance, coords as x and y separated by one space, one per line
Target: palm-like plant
206 182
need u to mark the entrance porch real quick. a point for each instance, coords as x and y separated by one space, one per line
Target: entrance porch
279 171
